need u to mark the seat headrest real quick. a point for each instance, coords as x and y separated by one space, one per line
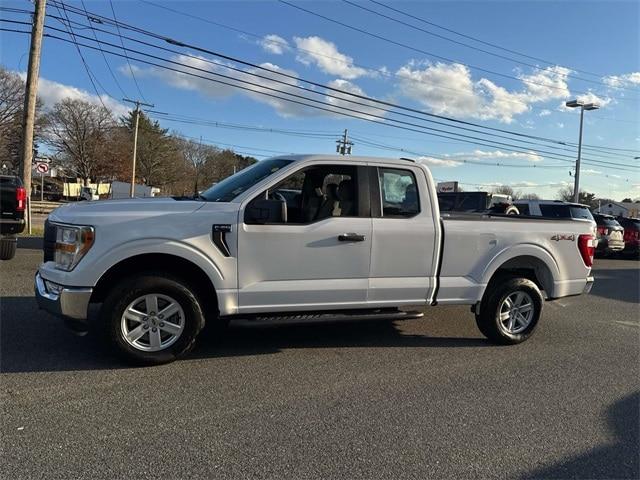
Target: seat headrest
332 190
346 190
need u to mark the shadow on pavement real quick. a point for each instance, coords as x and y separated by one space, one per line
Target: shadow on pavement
617 460
33 243
619 284
34 341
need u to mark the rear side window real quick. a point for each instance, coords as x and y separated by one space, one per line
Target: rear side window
523 208
581 212
606 221
555 211
399 193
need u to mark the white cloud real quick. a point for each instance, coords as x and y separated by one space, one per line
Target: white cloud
500 155
51 92
325 55
628 79
544 113
560 125
274 44
368 108
277 81
438 162
591 171
591 97
449 89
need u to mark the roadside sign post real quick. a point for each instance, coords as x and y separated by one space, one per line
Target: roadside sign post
42 168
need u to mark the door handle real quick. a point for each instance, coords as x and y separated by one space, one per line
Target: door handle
351 237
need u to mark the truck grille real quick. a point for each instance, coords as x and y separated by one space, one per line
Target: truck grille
49 241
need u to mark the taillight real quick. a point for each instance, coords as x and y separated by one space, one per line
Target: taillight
21 199
586 245
603 231
631 235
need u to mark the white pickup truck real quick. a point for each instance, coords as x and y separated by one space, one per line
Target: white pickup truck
304 237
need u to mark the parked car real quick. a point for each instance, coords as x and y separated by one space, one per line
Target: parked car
161 268
13 201
555 209
479 202
609 234
631 235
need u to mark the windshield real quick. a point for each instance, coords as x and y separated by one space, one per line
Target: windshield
232 186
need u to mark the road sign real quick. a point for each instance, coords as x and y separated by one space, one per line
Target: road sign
42 168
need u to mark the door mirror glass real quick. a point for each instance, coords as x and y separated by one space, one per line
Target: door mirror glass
266 210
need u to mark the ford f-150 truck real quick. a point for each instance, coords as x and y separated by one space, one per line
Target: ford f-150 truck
303 237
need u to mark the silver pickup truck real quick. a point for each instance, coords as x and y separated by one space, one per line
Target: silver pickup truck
306 237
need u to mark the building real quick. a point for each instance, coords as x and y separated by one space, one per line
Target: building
619 209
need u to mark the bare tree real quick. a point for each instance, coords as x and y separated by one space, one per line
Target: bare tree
12 89
530 196
78 132
586 198
507 190
11 97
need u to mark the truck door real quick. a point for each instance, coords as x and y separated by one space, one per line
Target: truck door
406 236
318 255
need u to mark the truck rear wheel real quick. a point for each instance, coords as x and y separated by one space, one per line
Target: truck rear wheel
510 311
151 319
8 247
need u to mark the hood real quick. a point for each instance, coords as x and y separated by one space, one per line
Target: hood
104 211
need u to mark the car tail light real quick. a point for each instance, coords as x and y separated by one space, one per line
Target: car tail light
586 245
603 231
21 199
631 235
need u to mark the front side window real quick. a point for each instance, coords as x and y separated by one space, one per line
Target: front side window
314 194
231 187
398 192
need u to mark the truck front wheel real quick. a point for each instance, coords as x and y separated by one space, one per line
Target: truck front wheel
510 311
151 319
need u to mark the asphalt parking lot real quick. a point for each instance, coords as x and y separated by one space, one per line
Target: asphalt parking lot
425 398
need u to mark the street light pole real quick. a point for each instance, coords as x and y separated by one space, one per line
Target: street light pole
576 180
583 106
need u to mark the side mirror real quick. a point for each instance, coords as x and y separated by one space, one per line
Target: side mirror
263 210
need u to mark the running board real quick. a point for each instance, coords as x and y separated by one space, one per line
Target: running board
327 317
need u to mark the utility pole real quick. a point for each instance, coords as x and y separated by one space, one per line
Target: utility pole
137 103
30 98
344 145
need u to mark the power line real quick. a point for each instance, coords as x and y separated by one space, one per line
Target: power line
337 59
305 98
104 57
135 81
343 92
84 62
504 57
424 52
475 39
358 114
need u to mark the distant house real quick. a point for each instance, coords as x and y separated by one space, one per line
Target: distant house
619 209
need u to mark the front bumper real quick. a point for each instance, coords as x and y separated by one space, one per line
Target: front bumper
67 302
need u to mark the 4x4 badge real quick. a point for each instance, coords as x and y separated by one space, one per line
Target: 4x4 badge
559 237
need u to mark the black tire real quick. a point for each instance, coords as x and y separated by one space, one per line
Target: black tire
8 247
498 290
127 292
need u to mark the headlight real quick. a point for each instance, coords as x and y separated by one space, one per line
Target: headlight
71 245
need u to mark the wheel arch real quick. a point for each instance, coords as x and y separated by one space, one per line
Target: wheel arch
529 261
173 265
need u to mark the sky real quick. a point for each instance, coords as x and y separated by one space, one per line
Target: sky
537 55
